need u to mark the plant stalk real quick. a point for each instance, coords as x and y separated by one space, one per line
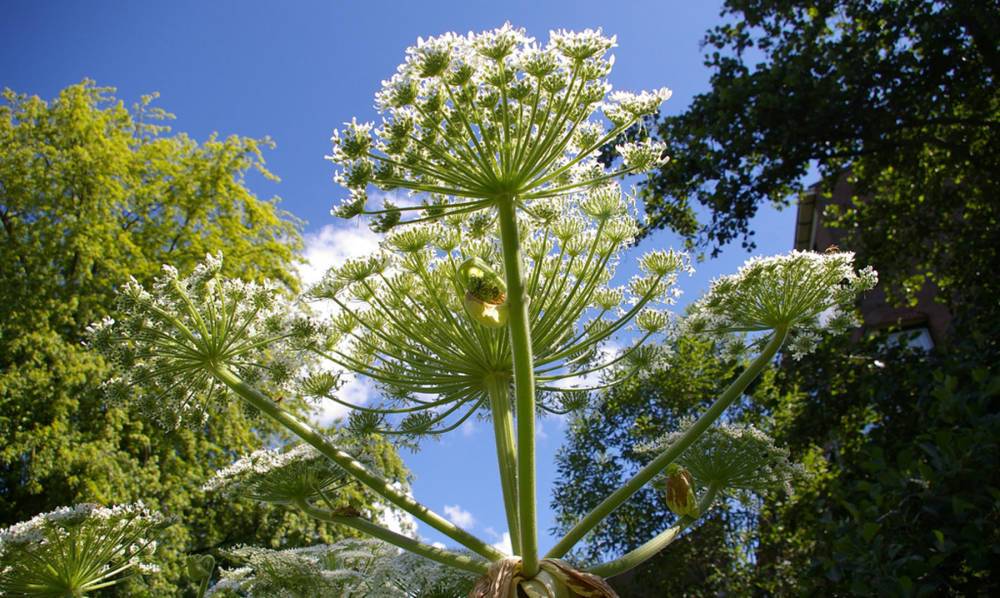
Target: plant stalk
673 451
364 526
640 555
351 465
503 433
524 382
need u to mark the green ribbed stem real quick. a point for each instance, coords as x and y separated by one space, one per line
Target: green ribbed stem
503 433
640 555
351 465
673 451
524 382
366 527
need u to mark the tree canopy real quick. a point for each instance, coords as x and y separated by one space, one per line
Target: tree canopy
901 97
91 193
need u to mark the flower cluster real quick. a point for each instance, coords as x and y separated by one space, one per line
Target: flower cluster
737 459
72 551
481 117
348 568
803 292
281 476
172 338
408 320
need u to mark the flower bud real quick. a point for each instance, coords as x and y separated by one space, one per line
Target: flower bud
680 491
485 293
200 566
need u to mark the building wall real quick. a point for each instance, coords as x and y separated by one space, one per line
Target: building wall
812 235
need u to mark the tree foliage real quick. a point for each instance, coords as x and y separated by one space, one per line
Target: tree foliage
903 454
906 492
92 192
604 447
902 96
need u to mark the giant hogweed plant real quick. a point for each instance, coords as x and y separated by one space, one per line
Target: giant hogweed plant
491 296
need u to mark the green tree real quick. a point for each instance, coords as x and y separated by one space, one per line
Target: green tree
91 193
604 446
901 97
906 492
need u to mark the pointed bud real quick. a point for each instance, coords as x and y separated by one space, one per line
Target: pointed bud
680 491
200 566
485 293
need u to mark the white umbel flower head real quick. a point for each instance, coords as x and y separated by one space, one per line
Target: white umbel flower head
281 476
347 568
426 326
803 292
471 120
736 459
73 551
171 338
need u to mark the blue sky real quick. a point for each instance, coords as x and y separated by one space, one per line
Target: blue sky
294 71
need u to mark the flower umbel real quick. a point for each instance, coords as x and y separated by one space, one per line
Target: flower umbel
171 338
285 477
735 459
348 568
74 551
494 115
424 318
802 291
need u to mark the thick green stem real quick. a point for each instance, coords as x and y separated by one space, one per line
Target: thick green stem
503 433
673 451
640 555
459 561
524 382
351 465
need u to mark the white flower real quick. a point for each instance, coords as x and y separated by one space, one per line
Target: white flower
470 119
77 549
803 292
642 156
640 104
348 568
736 459
581 45
169 341
281 476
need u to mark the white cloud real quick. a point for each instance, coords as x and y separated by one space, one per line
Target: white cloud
326 248
468 429
502 543
605 354
332 245
438 545
459 516
400 199
399 521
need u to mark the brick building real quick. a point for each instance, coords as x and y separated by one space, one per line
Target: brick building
925 324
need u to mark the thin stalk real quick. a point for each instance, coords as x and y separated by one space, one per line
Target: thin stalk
524 382
306 432
503 433
364 526
673 451
633 559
